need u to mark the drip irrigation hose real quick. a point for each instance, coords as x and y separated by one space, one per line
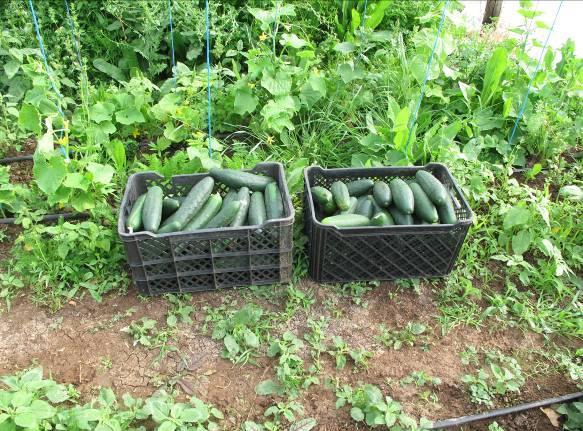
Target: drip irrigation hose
50 217
505 411
8 160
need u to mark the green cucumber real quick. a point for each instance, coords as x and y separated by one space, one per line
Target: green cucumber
402 196
399 217
169 206
238 179
382 194
196 198
273 202
382 218
365 207
347 220
340 195
359 187
134 220
152 209
225 216
447 212
169 227
230 196
376 208
241 217
424 208
352 208
432 187
324 199
257 213
208 211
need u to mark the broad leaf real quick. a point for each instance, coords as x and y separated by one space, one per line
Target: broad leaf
101 173
516 216
129 116
245 101
49 174
278 85
494 70
101 111
109 69
29 119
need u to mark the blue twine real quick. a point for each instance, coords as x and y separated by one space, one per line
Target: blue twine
525 101
208 76
275 24
172 41
47 68
427 71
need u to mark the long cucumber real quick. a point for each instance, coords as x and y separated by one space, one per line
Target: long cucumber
193 202
241 216
208 211
152 210
134 220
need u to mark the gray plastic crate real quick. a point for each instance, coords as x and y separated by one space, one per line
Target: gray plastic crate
382 253
207 259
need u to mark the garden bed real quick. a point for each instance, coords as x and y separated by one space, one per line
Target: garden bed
83 345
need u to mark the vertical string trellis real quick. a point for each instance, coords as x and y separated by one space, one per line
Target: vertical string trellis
275 25
533 76
48 69
413 119
208 77
83 71
172 42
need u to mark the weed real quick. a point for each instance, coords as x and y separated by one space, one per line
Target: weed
106 363
146 333
340 351
408 336
469 356
356 291
420 378
316 339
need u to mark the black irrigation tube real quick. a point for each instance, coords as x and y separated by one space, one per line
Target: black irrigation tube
50 217
8 160
447 423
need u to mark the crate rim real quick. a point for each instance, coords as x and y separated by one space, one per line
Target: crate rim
127 236
362 230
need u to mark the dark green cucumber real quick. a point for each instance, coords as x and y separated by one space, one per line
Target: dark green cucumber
238 179
241 217
352 208
424 208
225 216
208 211
273 202
375 206
359 187
324 199
447 212
382 218
230 196
169 206
347 220
365 207
257 214
134 220
402 196
382 194
194 201
169 227
340 195
399 217
152 210
432 187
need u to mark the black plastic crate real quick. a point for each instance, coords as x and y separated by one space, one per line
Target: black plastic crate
382 253
207 259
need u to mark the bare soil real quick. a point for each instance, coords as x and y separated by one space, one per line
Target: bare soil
83 344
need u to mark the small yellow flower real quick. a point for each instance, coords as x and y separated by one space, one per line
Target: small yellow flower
198 134
262 37
135 133
251 85
270 140
63 141
555 229
28 247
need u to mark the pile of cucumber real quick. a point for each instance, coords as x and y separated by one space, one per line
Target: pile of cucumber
251 200
422 200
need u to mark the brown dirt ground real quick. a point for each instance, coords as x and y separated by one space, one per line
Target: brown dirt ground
83 344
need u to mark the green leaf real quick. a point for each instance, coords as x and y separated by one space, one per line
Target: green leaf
109 69
101 173
356 414
83 201
129 116
571 192
495 68
516 216
268 387
401 129
192 415
373 20
348 72
11 68
278 85
344 47
245 101
304 425
313 90
76 180
29 119
166 426
231 345
101 111
293 41
521 241
49 174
